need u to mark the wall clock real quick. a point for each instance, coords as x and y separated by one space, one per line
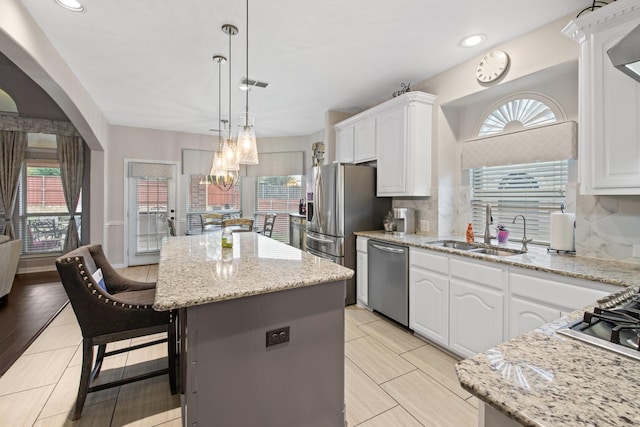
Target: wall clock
492 66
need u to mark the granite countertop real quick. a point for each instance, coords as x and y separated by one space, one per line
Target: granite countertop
599 270
542 378
196 270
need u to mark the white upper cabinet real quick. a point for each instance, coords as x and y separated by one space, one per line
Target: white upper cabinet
403 135
344 145
397 134
609 117
364 140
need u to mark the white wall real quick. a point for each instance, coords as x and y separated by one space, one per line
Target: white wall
149 144
537 58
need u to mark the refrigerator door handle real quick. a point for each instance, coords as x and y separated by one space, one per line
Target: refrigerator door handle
319 200
319 239
386 248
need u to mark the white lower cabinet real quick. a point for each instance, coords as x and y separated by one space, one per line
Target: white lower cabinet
429 295
468 306
526 315
537 298
362 279
476 318
476 307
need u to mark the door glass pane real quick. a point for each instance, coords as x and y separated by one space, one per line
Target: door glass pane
152 199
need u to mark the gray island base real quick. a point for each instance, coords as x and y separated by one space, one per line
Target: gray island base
263 346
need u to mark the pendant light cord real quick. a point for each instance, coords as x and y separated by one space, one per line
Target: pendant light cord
246 118
230 34
219 105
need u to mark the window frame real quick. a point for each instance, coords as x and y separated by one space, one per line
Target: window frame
49 234
192 214
281 229
516 198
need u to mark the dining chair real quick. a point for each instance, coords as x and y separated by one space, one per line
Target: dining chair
213 220
238 224
110 308
269 222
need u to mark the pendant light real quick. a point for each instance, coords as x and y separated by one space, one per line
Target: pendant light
219 169
247 146
229 150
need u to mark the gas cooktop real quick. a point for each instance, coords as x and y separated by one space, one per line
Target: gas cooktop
614 325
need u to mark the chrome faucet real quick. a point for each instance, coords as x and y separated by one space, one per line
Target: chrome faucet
524 232
487 222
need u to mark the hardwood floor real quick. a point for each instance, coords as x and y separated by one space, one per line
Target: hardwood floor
392 378
33 301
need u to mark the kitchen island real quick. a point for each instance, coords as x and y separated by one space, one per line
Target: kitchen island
262 331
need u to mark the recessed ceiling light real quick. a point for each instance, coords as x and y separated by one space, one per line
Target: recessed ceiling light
473 40
71 5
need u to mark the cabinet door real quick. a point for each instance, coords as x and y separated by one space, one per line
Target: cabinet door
364 144
344 145
616 133
476 319
429 304
362 281
391 146
551 290
527 315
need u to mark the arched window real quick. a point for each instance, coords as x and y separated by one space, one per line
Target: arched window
531 189
517 114
7 104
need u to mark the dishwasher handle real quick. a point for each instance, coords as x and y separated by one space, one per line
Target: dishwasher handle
388 249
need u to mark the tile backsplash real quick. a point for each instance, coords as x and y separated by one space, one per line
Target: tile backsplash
606 226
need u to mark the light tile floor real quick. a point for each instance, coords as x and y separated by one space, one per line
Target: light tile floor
392 378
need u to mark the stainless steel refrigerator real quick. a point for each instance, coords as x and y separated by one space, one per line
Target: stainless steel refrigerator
341 199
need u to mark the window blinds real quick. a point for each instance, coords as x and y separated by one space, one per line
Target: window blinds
533 190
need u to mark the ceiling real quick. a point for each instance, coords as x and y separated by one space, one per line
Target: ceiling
148 63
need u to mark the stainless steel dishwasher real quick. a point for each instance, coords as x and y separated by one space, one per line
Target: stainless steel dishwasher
388 274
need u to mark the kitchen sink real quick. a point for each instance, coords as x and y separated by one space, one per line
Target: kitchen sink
476 248
454 244
496 252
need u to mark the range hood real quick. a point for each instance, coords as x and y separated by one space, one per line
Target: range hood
625 55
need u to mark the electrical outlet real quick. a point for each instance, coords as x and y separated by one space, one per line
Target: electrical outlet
277 336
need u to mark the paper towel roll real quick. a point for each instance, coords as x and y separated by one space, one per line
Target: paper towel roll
563 227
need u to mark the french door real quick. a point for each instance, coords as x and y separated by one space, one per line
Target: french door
151 188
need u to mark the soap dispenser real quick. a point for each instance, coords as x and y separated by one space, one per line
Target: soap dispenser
470 236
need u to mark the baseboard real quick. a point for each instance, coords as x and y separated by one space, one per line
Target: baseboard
41 269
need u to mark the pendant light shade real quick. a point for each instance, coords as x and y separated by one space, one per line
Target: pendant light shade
218 169
230 154
247 146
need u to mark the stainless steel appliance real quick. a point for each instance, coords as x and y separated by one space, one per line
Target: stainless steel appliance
405 219
614 325
342 199
297 230
388 273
